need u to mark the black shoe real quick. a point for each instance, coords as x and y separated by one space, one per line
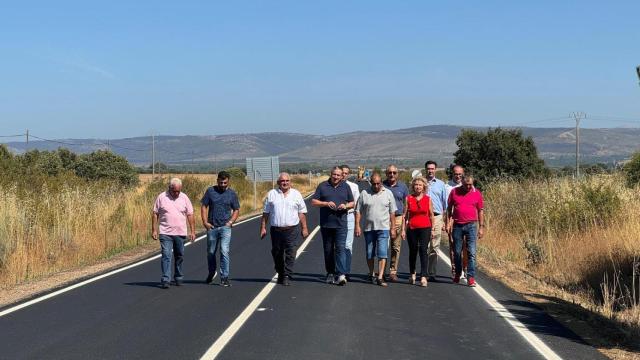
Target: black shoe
178 282
280 279
225 282
164 285
286 281
210 278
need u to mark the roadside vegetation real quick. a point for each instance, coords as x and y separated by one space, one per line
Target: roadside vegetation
575 242
60 210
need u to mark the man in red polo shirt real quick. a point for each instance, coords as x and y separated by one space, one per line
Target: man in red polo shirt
465 217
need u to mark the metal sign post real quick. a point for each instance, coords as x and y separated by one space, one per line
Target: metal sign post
262 169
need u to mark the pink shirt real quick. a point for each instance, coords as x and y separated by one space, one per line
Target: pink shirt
172 213
465 205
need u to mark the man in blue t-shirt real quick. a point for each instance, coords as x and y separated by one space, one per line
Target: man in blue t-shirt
400 193
334 198
219 210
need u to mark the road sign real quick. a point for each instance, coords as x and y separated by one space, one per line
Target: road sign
263 168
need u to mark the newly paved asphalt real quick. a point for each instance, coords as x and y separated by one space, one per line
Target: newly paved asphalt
127 315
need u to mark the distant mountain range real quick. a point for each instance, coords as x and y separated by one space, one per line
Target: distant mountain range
555 145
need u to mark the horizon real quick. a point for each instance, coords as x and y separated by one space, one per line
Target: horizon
36 138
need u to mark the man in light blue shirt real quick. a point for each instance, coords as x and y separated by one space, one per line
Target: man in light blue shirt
438 194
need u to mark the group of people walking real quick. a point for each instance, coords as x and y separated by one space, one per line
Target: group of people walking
386 212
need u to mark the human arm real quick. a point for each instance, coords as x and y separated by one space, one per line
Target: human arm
234 216
192 227
204 217
403 226
303 225
318 203
263 225
154 225
480 223
358 229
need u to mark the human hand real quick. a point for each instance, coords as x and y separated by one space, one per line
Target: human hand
263 232
331 205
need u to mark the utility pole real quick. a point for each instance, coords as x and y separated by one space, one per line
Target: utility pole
153 156
193 166
27 139
578 116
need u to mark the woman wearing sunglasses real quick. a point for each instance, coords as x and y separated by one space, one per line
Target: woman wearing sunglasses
419 217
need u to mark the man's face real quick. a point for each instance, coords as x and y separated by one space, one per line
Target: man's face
345 173
376 184
284 183
392 174
431 171
458 174
175 190
468 183
223 183
336 176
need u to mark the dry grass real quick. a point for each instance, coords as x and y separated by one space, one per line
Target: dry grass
578 238
48 231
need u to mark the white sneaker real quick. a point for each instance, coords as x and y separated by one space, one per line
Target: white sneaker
342 280
463 275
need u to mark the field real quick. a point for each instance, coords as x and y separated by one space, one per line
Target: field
576 241
75 224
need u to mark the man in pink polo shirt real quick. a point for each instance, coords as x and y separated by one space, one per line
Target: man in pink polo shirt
465 217
170 211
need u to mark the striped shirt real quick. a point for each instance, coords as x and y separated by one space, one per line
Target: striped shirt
284 210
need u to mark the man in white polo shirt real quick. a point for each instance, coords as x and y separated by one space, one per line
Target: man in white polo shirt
350 217
285 209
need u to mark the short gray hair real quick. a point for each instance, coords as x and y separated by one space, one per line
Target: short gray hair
175 182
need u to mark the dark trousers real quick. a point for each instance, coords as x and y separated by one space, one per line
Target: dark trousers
419 244
283 248
335 254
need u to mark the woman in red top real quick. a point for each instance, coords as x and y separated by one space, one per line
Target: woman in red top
418 216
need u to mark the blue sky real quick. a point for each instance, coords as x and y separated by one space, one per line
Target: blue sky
121 69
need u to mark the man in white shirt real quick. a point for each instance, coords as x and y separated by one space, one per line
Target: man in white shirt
285 210
350 216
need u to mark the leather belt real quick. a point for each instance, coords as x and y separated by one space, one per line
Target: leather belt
283 228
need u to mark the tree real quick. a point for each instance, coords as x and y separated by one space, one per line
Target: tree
498 153
632 170
106 165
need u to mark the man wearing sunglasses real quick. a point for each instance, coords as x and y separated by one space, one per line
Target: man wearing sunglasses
171 211
285 210
400 192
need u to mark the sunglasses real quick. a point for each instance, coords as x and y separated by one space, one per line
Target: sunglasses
392 172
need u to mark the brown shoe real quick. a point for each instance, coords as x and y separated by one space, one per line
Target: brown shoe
393 277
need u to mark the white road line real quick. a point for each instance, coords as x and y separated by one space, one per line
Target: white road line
89 281
530 337
228 334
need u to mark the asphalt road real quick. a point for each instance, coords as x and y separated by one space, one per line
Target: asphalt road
126 315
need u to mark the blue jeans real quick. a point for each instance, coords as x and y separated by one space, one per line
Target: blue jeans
333 241
377 243
348 245
167 244
459 232
220 235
